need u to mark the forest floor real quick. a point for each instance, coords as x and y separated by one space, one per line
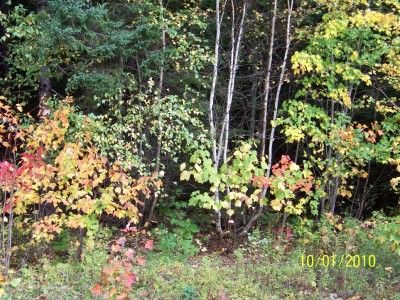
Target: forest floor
259 269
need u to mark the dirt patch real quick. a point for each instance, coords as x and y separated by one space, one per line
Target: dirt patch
225 244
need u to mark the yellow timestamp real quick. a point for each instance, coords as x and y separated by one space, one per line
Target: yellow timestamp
337 261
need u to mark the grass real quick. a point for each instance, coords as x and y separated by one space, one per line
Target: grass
261 275
264 268
57 280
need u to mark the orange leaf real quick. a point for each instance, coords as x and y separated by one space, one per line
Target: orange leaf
96 290
141 261
149 245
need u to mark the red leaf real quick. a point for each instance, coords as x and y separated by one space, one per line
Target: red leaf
261 181
96 290
289 233
149 245
129 279
115 248
122 296
141 261
7 207
285 159
121 241
129 254
7 173
128 228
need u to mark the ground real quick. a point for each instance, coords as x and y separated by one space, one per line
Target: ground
257 268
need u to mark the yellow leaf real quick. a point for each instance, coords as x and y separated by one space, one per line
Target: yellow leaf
225 204
294 167
185 175
230 212
339 227
276 205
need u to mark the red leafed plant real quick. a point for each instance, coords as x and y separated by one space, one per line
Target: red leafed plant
118 278
290 187
7 174
57 179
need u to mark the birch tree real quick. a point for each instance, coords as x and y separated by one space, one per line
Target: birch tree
277 99
220 134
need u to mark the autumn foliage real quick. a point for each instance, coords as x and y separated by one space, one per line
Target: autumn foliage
291 188
61 181
118 277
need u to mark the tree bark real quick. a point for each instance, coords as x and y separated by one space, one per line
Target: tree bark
233 70
211 119
268 80
45 86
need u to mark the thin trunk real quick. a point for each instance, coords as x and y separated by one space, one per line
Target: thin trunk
232 78
268 80
3 45
7 260
230 83
7 244
364 194
284 219
280 83
160 130
213 132
332 195
214 135
45 87
296 157
140 150
260 211
214 83
219 146
233 70
81 240
253 104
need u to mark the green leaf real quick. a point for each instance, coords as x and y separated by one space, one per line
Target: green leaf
16 282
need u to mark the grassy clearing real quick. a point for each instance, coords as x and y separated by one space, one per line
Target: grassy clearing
263 269
266 275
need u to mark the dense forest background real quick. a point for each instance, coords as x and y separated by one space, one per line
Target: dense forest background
195 117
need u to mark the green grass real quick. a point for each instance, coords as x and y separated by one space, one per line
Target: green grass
58 280
264 275
263 269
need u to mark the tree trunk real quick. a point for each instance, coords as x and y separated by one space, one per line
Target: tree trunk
45 87
268 80
233 70
253 103
81 240
211 119
260 211
160 130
